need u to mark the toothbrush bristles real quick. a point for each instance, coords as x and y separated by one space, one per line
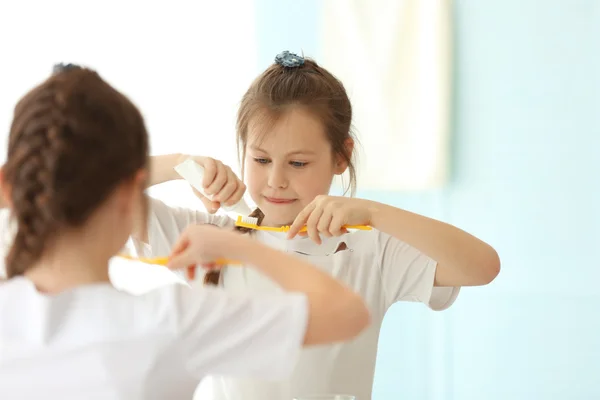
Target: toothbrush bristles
247 220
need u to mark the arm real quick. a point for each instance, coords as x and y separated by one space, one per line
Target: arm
161 168
219 181
161 171
246 335
335 312
462 259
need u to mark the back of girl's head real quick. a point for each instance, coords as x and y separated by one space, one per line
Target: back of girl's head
73 140
294 81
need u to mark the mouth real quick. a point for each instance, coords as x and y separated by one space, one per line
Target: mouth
276 200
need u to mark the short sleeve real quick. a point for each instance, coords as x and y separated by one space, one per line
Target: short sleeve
409 275
165 225
245 335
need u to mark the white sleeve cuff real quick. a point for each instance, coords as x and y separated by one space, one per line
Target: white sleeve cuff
440 298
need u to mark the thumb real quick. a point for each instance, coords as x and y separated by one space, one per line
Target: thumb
181 253
211 206
182 260
182 243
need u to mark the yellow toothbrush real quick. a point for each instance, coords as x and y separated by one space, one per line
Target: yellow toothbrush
250 223
165 260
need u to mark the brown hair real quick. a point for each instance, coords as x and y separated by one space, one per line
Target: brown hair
73 139
280 88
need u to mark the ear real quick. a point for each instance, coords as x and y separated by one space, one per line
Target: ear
141 179
132 190
340 164
4 192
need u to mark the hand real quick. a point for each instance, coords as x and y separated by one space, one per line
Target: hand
201 245
220 183
327 215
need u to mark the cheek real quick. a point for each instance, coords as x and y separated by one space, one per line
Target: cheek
253 177
313 184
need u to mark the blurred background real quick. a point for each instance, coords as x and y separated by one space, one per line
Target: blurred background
481 113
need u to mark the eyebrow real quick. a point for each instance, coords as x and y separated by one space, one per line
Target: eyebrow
294 152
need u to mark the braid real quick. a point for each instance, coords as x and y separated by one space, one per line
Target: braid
213 277
258 214
72 140
40 125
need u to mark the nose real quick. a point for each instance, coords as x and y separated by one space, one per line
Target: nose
277 177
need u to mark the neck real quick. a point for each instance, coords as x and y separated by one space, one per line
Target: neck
71 261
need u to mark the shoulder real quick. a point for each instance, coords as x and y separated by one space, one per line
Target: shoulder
164 213
380 244
90 313
370 243
166 223
139 278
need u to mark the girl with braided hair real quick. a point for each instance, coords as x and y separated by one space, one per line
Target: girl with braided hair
76 169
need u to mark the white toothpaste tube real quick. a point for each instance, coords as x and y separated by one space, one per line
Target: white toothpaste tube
193 173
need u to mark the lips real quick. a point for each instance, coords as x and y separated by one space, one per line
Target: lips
276 200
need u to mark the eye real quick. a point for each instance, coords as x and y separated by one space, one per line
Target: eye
261 160
298 164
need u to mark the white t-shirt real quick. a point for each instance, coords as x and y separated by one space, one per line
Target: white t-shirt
381 268
131 277
95 342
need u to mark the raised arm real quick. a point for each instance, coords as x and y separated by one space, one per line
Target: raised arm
336 313
462 259
219 181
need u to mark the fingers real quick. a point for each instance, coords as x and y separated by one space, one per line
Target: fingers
225 195
312 224
323 216
220 184
219 179
190 272
324 223
210 171
237 195
211 206
336 225
300 220
183 254
181 261
181 244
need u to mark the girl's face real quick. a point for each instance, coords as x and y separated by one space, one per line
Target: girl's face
289 165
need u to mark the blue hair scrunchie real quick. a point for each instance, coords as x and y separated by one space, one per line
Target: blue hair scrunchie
58 68
289 60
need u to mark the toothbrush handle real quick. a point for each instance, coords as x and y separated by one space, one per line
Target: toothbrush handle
155 261
226 261
359 227
165 260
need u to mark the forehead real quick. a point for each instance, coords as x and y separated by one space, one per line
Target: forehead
296 129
